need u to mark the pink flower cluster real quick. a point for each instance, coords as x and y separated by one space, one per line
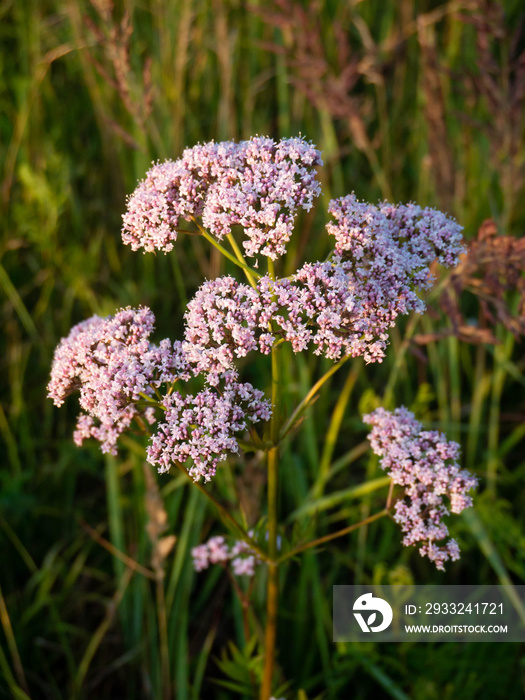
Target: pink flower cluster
202 427
425 464
258 184
216 551
117 371
320 306
385 252
225 320
344 306
404 237
110 361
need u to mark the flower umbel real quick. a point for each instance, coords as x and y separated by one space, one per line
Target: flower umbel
424 462
258 184
108 361
118 371
215 551
343 306
225 320
203 427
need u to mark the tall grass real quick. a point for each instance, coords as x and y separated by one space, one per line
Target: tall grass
414 101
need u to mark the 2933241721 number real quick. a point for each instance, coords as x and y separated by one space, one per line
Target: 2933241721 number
463 608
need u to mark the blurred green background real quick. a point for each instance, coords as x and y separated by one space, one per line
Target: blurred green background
408 100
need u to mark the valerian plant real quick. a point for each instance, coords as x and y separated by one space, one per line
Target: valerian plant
340 308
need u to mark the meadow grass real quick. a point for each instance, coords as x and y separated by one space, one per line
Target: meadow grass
404 101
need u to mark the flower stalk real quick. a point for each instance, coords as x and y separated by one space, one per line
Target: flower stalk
310 396
250 274
226 516
272 591
332 536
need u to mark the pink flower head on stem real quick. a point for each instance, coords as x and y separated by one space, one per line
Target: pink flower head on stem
399 239
382 254
343 306
225 320
111 362
258 184
425 464
203 427
117 371
240 556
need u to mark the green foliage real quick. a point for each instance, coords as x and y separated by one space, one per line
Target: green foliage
90 96
243 668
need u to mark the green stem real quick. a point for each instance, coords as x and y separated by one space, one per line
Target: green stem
225 252
240 258
332 536
333 431
390 494
226 515
273 480
290 423
11 644
149 401
163 637
247 446
188 233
